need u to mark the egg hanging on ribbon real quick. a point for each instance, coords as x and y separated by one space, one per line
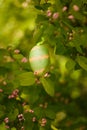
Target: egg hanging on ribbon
39 59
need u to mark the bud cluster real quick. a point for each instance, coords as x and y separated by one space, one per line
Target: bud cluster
34 119
14 94
51 15
20 117
6 120
55 15
43 105
43 122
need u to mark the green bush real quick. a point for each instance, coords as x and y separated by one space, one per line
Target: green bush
56 99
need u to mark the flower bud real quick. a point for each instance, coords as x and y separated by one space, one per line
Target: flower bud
48 13
75 8
16 51
34 119
24 60
71 17
31 111
6 120
64 8
55 15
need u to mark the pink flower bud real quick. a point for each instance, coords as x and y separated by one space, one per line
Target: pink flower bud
75 8
24 60
15 92
16 51
48 13
20 115
1 90
44 120
71 17
55 15
11 96
6 120
31 111
34 119
64 8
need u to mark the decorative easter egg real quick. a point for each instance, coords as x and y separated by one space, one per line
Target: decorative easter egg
39 59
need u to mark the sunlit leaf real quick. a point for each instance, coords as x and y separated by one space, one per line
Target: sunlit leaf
13 128
2 126
48 86
70 64
82 61
26 79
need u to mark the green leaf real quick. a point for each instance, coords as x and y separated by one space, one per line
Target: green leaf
43 6
39 112
2 126
18 57
2 110
53 127
36 2
50 113
70 64
42 128
82 61
26 79
13 114
28 123
13 128
48 86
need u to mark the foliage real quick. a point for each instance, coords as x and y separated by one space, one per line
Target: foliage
57 100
